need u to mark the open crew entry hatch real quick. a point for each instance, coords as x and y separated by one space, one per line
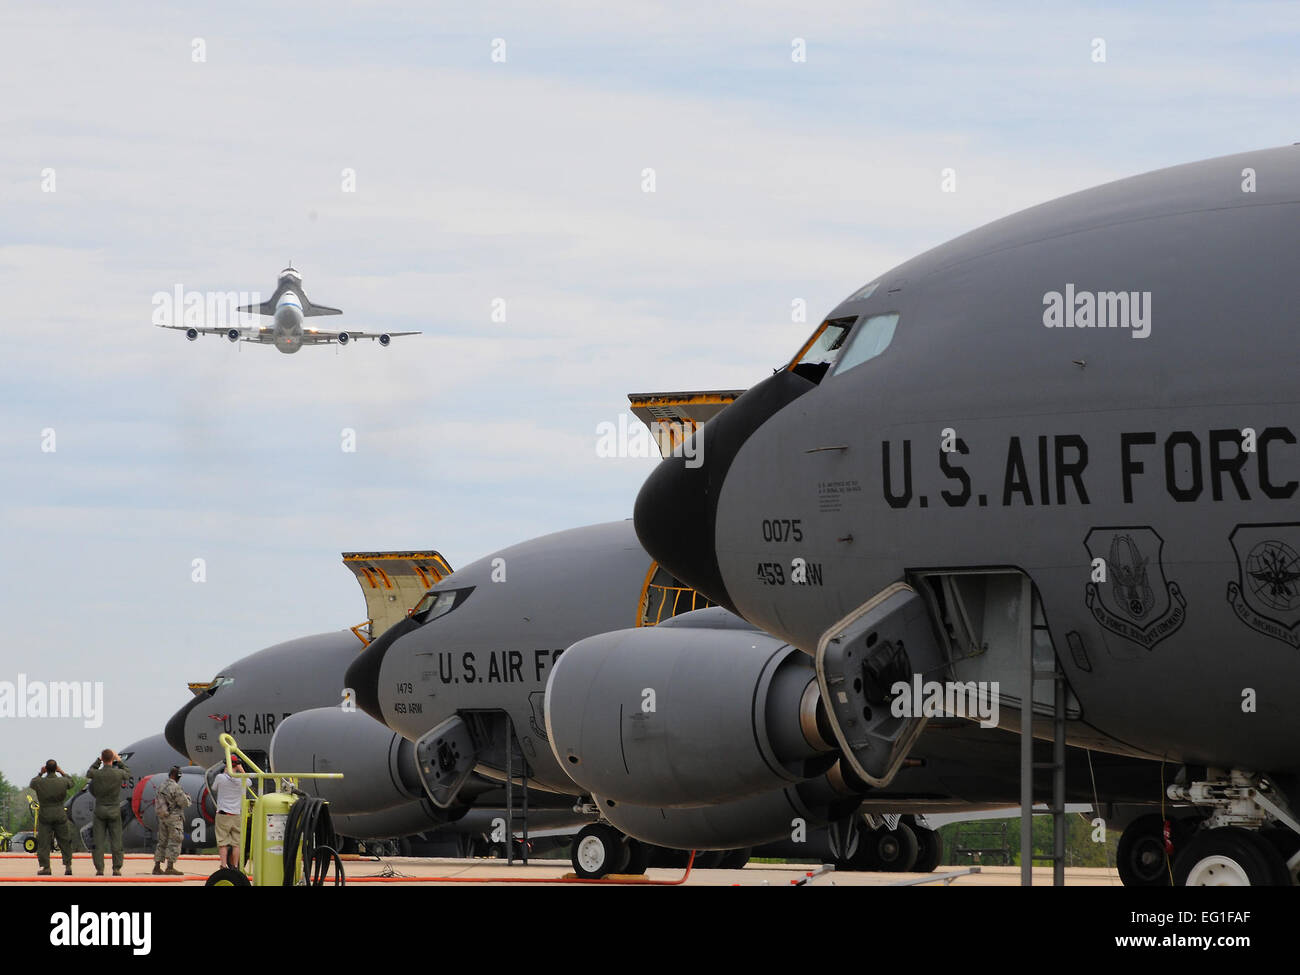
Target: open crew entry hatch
672 417
392 584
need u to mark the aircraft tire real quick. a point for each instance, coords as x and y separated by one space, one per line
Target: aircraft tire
664 857
1230 857
708 859
638 857
29 844
1140 856
736 859
1287 844
228 877
887 850
929 849
598 850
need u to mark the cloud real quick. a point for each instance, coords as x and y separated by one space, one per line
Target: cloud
775 181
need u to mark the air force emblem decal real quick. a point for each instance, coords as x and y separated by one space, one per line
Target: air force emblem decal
1135 600
1266 595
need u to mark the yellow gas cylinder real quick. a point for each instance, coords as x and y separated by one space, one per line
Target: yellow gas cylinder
269 820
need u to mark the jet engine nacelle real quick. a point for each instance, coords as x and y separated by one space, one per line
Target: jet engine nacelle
791 814
344 338
145 794
81 808
378 766
385 339
684 714
232 334
192 334
404 820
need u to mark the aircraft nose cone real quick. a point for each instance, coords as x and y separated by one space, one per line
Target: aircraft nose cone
676 511
174 732
363 673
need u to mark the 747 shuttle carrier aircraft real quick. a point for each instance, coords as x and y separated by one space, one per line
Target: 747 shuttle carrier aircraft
288 306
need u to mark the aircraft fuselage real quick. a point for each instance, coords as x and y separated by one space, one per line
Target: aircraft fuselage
288 323
1140 470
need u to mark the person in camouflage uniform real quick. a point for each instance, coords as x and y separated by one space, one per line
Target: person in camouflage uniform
51 786
170 805
106 786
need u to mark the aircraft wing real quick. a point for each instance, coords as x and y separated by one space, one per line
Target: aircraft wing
320 336
245 334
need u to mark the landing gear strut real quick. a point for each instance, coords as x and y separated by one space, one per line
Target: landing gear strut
1251 838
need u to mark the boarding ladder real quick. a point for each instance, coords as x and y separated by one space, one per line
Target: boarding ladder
1031 622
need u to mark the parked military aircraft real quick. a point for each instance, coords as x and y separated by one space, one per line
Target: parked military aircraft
287 307
700 732
1000 451
149 760
288 707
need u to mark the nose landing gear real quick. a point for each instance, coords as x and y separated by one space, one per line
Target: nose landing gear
1251 838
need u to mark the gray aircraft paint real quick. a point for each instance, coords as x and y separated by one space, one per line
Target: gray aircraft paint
496 649
585 583
259 691
1165 675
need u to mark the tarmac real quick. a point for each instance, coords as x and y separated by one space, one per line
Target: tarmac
19 870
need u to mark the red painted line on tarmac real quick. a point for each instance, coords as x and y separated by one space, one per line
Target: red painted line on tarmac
74 879
130 856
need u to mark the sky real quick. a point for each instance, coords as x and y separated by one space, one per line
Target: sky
422 164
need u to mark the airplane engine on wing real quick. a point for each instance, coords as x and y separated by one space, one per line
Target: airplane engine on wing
385 339
378 766
232 334
344 338
404 820
783 814
627 712
192 334
81 809
192 781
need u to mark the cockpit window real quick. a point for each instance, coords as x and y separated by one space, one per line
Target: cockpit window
439 603
820 352
869 339
663 597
